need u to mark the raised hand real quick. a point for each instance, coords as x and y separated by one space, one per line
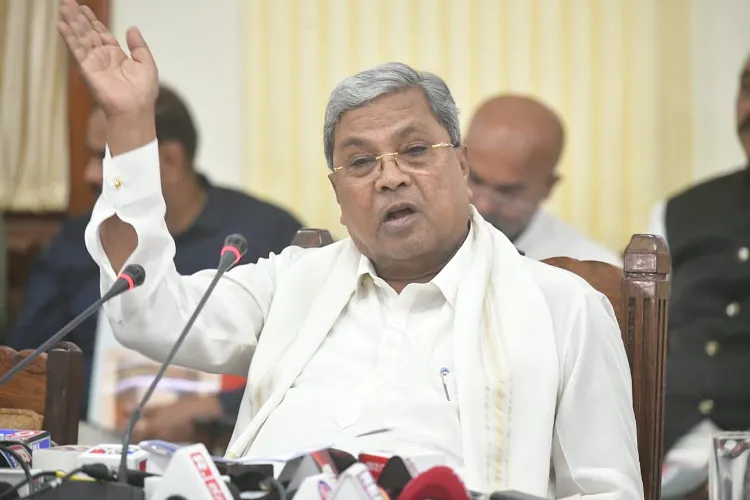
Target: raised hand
121 85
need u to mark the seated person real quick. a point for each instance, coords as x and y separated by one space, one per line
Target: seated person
515 143
199 215
706 228
426 321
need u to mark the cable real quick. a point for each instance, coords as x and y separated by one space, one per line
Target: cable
97 472
270 484
28 481
19 459
63 479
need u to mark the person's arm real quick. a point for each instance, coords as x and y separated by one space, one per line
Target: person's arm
595 446
149 318
45 306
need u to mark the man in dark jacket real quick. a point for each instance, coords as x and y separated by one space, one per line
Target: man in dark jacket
707 228
64 280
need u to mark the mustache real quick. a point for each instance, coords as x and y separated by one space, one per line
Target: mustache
744 125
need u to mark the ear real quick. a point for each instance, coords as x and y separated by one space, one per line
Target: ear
552 181
463 161
332 180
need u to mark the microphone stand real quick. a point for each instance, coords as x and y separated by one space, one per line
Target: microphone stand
131 277
234 247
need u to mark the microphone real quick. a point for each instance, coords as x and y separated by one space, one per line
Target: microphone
438 483
395 476
131 277
234 248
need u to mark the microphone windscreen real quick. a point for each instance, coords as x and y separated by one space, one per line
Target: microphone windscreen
438 483
236 241
136 274
341 459
394 476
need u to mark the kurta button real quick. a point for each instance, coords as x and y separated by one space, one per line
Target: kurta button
706 407
712 347
118 183
743 254
733 309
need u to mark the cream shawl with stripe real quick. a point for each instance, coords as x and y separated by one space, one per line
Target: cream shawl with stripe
505 356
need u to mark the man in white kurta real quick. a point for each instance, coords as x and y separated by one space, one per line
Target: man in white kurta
427 321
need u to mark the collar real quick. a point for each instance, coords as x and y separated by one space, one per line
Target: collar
530 235
447 280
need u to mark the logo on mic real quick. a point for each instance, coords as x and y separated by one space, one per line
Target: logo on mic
325 490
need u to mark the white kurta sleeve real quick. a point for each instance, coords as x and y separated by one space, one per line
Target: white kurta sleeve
595 450
150 318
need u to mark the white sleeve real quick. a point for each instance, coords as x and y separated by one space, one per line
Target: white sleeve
150 318
656 222
595 445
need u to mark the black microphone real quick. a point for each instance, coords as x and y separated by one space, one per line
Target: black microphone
394 476
131 277
234 248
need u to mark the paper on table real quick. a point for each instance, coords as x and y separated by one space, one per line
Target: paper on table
120 377
292 454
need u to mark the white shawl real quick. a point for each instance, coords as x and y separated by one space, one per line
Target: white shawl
502 326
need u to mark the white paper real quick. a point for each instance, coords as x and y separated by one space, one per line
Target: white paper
292 454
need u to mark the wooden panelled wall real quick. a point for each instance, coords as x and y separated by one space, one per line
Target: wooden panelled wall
27 233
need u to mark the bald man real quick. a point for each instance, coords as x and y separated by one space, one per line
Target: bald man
515 143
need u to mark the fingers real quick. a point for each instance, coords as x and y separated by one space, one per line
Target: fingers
80 27
76 29
69 10
75 47
139 50
103 35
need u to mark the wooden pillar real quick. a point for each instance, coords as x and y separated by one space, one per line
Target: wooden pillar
645 296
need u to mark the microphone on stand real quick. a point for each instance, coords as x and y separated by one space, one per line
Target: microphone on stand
438 483
234 248
131 277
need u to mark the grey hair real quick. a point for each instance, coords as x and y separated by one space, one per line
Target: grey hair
366 86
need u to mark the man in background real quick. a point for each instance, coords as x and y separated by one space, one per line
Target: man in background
65 280
707 228
515 143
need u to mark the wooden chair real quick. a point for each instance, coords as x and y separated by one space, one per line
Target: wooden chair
639 296
46 395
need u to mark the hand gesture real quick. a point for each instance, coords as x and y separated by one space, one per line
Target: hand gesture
121 85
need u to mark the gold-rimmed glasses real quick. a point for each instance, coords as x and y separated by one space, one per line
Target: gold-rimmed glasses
413 157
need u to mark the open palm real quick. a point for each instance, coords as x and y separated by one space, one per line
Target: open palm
120 84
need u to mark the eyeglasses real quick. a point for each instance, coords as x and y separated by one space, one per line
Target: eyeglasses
413 157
